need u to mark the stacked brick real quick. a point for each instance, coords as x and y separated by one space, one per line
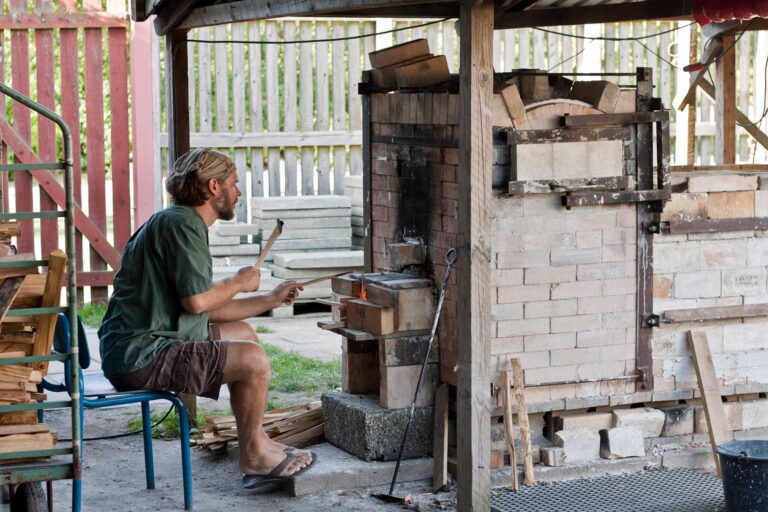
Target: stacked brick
709 270
415 192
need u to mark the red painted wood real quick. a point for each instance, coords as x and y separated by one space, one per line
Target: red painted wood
70 112
21 121
3 147
94 143
121 178
31 21
96 278
84 223
46 130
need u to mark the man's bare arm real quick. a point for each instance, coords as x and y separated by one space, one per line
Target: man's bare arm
246 279
240 309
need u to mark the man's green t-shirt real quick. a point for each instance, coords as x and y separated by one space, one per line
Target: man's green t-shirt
166 260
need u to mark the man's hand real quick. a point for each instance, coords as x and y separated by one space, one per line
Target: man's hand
248 279
286 292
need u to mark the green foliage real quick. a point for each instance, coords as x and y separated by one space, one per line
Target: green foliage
263 329
292 372
92 314
168 428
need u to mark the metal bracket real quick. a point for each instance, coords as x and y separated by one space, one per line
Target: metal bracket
651 320
653 228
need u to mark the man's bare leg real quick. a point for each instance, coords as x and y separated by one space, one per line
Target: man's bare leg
247 372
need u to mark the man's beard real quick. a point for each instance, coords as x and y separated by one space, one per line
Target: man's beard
225 211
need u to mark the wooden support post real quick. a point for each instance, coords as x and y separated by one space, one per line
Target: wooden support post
177 102
177 94
725 104
709 385
475 159
509 427
367 164
440 451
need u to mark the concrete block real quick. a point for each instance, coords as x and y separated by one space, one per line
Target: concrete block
721 183
761 202
754 414
562 257
553 456
621 442
265 226
325 259
685 207
264 204
258 215
595 421
601 94
579 445
731 205
722 254
214 239
290 233
744 282
358 425
550 308
678 420
236 250
307 244
566 160
694 285
649 421
303 273
234 229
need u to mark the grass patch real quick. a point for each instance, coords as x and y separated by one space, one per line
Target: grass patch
92 314
263 329
293 373
168 428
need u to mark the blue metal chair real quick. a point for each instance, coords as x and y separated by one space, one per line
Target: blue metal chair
98 393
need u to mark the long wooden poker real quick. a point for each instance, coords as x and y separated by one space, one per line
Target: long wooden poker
275 233
324 278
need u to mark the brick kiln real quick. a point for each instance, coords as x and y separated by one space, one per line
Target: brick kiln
576 212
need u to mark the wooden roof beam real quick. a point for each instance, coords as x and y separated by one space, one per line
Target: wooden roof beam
649 9
171 14
245 10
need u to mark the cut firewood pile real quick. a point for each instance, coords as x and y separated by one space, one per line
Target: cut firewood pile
295 425
408 65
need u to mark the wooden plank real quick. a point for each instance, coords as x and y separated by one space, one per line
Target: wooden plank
508 426
46 130
4 188
725 104
95 136
594 198
121 177
290 100
256 112
57 265
338 55
306 106
143 123
38 428
440 449
94 235
204 80
221 79
715 313
62 20
597 133
355 105
20 62
273 107
709 386
475 156
566 185
522 420
717 225
615 119
321 102
238 115
367 179
170 14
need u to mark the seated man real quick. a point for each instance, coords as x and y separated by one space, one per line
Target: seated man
166 321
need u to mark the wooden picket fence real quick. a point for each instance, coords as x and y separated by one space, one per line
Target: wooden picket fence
71 57
290 113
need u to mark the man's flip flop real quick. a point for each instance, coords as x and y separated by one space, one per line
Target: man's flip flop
273 478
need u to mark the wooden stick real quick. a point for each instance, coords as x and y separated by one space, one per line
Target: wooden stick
324 278
440 451
709 385
275 233
505 384
522 420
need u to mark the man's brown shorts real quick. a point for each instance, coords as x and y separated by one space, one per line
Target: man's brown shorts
194 367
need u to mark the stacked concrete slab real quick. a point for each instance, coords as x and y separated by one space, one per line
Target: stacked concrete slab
231 246
353 188
312 223
308 266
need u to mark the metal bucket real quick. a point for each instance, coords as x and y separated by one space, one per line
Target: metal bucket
744 465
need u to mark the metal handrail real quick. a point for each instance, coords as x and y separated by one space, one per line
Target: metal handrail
69 229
